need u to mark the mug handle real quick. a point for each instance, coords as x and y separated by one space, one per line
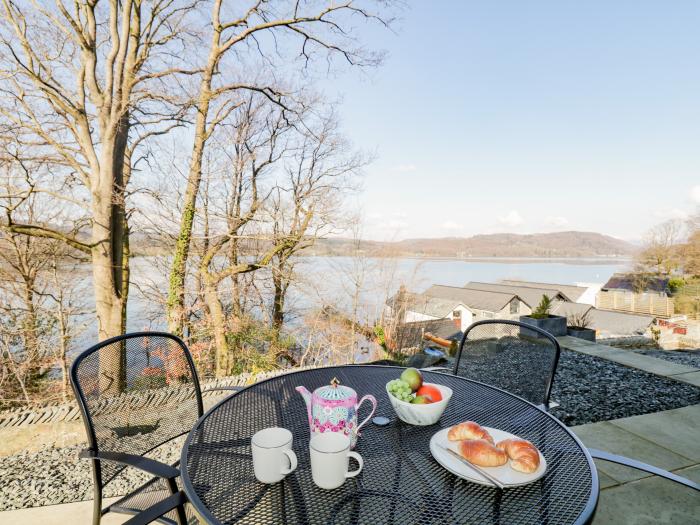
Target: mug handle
292 461
359 459
373 400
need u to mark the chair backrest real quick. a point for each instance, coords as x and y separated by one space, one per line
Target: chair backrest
510 355
136 392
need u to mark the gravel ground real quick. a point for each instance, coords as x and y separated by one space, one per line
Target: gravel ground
57 475
683 357
589 389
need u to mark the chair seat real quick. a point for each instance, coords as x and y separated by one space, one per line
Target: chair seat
150 493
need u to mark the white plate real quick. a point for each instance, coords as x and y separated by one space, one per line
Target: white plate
505 474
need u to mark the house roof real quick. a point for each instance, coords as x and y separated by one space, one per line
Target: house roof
631 282
608 323
531 296
567 309
474 299
613 324
432 306
571 291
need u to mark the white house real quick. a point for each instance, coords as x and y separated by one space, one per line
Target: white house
462 305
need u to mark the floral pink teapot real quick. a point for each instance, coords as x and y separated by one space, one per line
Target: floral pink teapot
333 408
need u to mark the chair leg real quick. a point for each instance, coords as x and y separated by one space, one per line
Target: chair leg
180 509
96 505
651 469
152 514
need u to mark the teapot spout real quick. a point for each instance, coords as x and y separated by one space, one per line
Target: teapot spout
307 398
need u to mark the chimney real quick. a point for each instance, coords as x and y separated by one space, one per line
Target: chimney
457 319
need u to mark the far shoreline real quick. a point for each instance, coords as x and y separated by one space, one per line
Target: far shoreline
586 259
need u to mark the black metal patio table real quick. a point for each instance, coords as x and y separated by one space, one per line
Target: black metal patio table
401 483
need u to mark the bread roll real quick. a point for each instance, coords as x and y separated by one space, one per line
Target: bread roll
482 453
468 430
523 454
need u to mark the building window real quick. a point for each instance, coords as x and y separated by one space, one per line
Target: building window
514 306
456 314
488 315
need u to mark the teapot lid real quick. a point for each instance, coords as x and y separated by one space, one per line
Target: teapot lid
335 391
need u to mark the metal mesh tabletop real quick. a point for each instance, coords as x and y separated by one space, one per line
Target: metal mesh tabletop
401 483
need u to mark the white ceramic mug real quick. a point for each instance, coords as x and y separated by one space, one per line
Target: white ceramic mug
330 455
272 451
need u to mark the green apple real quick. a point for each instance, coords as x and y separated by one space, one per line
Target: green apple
421 400
413 377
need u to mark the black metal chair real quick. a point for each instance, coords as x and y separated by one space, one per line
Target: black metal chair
644 467
523 359
514 356
137 392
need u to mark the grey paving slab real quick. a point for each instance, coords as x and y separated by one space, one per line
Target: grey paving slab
693 378
611 438
574 341
647 363
676 430
606 481
72 513
648 501
692 473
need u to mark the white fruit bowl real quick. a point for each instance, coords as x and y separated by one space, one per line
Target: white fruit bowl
421 415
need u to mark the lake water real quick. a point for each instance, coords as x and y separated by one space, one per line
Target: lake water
363 284
333 279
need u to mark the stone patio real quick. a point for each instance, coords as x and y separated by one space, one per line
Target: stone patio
73 513
669 440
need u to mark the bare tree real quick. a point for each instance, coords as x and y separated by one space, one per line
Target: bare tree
691 250
82 85
258 33
37 304
308 203
660 254
258 142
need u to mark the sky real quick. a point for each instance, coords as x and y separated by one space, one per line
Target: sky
528 116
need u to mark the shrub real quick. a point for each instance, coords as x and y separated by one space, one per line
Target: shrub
151 377
579 321
542 310
675 284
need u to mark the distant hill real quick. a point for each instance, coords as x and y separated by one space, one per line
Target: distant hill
559 244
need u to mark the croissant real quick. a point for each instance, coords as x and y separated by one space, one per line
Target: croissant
468 430
482 453
523 454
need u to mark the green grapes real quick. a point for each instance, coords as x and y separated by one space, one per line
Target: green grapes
400 390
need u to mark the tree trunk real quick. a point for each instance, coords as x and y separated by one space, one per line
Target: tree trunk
108 303
178 271
30 323
109 237
63 337
278 300
218 325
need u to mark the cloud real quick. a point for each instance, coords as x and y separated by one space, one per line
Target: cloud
671 213
695 194
557 221
511 219
397 224
405 168
449 225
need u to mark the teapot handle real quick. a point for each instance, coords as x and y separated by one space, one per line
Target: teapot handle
373 400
